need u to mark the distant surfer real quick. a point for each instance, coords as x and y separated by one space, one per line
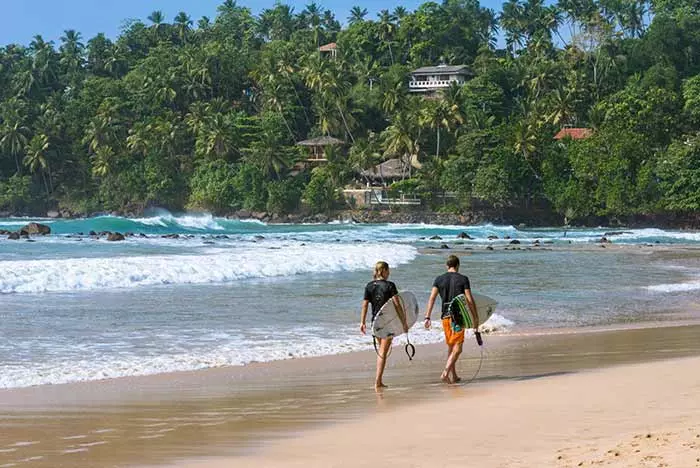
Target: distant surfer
450 285
378 292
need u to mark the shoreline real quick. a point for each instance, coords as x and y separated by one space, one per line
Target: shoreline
614 417
239 411
519 217
529 333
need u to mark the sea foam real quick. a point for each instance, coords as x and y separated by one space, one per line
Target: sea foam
219 266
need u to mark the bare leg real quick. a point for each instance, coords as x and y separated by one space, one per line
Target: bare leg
446 375
384 345
450 369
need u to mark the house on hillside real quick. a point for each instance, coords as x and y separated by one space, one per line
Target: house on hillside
317 149
432 79
330 49
379 178
573 133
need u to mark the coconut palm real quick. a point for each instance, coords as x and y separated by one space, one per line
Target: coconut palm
387 29
36 159
183 24
357 15
13 139
157 18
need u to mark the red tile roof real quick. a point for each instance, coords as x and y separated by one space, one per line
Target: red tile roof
573 133
328 47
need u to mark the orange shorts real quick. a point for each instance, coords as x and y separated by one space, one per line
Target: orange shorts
452 337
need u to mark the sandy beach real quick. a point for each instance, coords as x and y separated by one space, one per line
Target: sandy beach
640 415
539 396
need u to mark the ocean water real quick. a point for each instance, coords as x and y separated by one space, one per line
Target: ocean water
229 292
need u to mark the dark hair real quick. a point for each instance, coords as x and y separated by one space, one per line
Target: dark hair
452 261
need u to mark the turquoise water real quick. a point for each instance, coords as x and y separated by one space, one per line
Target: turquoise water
227 292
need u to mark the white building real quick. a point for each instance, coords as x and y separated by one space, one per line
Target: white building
431 79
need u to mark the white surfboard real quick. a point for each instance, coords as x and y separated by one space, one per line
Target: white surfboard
485 307
388 323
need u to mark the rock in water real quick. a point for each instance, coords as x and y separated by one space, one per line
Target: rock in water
115 237
35 228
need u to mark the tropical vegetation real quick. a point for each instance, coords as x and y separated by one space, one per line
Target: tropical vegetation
207 115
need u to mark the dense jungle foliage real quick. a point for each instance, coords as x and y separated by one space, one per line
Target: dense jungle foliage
206 115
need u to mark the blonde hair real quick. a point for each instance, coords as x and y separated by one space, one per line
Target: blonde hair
380 268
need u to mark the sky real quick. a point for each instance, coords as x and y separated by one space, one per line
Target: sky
23 19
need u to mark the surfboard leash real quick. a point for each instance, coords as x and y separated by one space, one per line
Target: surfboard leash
408 348
478 369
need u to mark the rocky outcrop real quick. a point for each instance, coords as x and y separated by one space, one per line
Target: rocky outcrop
115 237
463 235
35 228
13 236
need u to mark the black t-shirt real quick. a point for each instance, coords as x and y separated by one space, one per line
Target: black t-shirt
450 285
378 293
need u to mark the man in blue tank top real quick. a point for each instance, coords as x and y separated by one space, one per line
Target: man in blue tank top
449 286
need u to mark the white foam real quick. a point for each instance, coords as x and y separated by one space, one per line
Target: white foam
674 287
229 349
80 274
495 323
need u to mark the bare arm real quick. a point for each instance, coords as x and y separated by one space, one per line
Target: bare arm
429 308
363 317
472 308
400 312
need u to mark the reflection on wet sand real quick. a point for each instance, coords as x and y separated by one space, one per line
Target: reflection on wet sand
236 410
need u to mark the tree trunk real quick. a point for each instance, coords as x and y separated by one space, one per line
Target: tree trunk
437 148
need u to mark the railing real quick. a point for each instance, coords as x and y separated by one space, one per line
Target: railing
383 199
432 84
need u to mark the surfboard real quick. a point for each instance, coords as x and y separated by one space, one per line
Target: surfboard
485 306
388 323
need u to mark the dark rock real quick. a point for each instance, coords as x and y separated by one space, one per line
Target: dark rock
170 236
488 247
30 240
243 214
604 240
36 228
208 242
53 214
492 237
92 233
506 237
141 234
514 242
436 238
259 237
444 246
115 237
463 235
24 234
80 234
4 232
616 233
13 236
129 234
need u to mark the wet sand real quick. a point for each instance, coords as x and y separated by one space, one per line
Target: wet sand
251 411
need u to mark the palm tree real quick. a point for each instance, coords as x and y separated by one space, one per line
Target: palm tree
357 15
71 51
387 28
184 24
436 115
36 159
311 14
157 18
102 161
13 139
400 138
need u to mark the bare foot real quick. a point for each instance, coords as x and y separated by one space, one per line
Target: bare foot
457 379
380 386
445 377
